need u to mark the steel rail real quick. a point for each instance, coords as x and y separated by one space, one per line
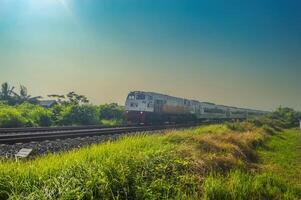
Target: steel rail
42 136
57 128
58 132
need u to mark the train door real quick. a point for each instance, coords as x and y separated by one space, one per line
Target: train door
158 107
199 111
196 109
228 113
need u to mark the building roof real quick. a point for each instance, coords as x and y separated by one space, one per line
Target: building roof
47 103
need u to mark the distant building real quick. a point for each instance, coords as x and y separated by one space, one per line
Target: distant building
47 103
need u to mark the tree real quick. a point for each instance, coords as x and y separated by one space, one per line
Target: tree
77 99
70 99
59 98
7 93
23 96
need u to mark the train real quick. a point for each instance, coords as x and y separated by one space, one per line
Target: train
151 107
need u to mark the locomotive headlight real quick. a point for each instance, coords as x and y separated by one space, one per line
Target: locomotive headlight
141 113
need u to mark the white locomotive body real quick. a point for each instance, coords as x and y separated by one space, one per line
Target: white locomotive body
148 107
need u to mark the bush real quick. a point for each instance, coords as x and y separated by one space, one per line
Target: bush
111 111
279 119
42 117
11 117
35 115
288 117
30 115
79 115
236 126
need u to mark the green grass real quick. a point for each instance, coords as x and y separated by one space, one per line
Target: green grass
243 185
140 167
111 122
208 162
282 156
279 175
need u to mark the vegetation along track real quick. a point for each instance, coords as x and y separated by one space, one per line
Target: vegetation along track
40 134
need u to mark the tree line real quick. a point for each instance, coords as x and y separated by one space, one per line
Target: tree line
19 109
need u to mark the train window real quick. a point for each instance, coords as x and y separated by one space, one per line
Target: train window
140 96
131 97
150 98
214 110
238 112
186 102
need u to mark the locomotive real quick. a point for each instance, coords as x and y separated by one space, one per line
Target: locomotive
150 107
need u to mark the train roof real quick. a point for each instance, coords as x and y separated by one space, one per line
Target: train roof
208 103
158 94
196 101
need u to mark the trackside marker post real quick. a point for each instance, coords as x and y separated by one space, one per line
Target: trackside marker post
23 153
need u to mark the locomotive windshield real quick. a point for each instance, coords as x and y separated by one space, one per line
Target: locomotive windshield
140 97
131 96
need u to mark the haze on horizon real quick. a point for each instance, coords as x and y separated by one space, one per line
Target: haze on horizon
245 54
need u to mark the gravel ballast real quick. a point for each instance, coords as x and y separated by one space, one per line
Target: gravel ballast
56 146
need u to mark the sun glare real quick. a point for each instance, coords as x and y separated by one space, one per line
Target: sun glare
48 4
44 3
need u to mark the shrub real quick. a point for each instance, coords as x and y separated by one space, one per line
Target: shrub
289 117
30 115
36 115
79 115
42 117
111 111
235 126
11 117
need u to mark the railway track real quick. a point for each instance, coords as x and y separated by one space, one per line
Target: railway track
13 136
59 128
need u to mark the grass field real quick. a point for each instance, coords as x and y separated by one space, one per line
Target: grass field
282 156
229 161
276 174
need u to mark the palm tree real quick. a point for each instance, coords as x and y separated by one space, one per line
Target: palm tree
7 93
24 97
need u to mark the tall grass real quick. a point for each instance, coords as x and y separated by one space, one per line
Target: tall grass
242 185
208 162
137 167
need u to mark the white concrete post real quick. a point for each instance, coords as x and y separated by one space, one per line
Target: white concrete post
300 123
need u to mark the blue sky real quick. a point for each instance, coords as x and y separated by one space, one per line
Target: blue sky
230 52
